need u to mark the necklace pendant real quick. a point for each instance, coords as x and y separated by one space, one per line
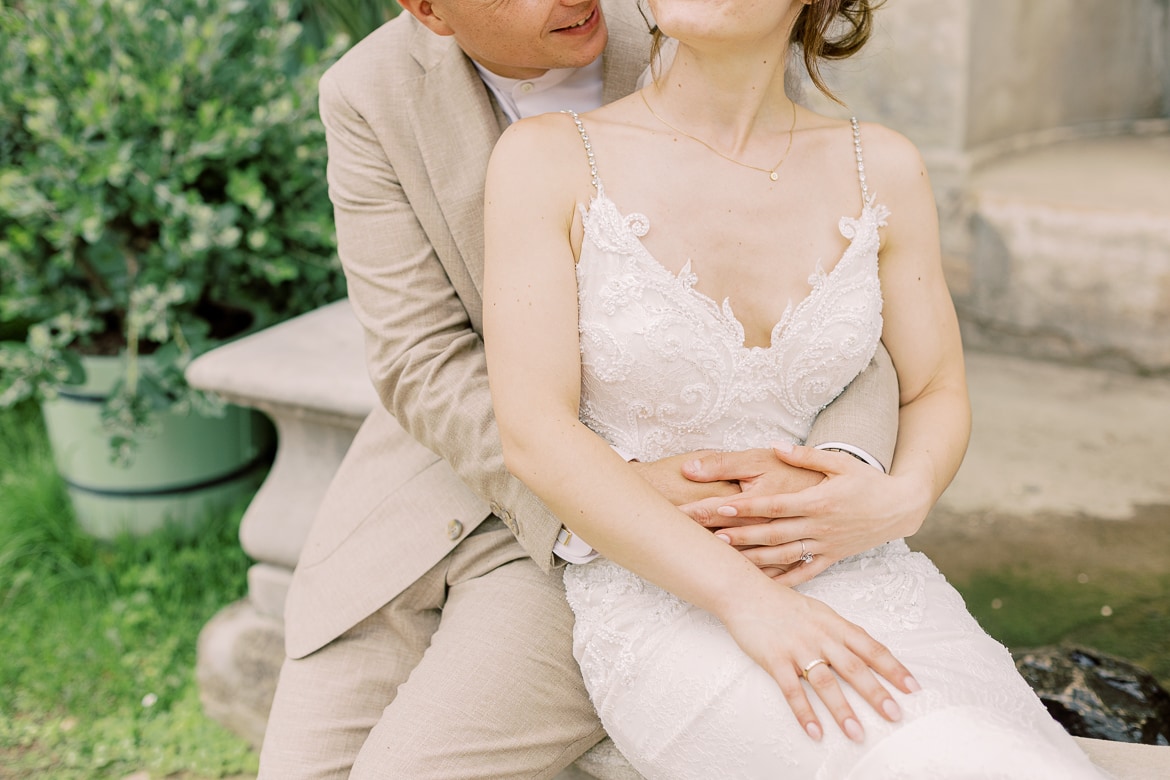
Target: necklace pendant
773 175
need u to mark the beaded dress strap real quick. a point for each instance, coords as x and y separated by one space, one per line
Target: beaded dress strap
588 148
860 160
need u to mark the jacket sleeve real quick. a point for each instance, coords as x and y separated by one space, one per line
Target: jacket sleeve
865 415
424 354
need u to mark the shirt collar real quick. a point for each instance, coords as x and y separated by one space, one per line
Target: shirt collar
578 89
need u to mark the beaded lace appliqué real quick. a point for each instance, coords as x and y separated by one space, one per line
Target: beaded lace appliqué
665 369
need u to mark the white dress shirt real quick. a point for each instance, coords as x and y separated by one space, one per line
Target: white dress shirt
578 89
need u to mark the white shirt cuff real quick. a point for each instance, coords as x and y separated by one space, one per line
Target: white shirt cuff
572 548
856 452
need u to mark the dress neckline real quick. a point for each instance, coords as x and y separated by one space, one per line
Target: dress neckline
636 225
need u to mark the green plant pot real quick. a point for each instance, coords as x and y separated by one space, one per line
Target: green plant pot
192 466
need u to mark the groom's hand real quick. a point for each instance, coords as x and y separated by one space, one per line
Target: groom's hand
667 477
761 476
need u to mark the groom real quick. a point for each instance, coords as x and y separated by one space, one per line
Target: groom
426 629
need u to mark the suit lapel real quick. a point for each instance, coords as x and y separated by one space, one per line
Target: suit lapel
627 53
456 125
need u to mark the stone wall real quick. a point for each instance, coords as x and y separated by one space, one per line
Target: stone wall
960 76
979 85
1044 64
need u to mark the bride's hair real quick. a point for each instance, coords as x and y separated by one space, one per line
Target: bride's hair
812 32
815 34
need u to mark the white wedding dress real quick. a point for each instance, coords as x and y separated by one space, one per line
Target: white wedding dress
665 371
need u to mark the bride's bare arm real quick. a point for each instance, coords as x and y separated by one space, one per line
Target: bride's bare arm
921 329
536 178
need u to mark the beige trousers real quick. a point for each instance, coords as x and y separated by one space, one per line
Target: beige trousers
469 673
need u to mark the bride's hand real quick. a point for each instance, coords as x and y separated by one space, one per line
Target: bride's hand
796 639
757 473
852 508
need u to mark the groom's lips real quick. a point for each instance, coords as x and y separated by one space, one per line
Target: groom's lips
577 28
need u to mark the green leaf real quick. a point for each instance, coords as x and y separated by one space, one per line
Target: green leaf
75 371
154 144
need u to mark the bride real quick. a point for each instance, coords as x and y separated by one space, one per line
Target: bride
706 264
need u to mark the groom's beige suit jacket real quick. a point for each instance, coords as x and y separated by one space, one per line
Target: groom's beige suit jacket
410 128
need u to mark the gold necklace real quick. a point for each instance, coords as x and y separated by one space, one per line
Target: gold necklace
772 172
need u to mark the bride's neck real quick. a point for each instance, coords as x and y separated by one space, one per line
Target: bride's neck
726 95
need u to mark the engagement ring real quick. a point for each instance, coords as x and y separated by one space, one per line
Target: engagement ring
805 555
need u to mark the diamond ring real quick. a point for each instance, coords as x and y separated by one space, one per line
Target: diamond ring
805 555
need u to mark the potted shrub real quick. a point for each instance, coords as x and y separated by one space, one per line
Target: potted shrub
162 188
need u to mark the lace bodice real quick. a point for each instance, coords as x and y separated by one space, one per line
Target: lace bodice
664 367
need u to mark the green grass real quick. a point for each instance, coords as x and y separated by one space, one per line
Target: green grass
97 651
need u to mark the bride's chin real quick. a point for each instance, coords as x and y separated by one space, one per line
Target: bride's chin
716 21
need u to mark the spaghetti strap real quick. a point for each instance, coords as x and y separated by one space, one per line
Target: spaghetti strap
860 160
588 148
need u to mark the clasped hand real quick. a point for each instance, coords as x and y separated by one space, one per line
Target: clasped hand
775 505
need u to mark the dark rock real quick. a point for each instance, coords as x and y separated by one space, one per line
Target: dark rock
1095 695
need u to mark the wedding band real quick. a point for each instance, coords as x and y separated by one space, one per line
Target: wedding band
805 555
812 665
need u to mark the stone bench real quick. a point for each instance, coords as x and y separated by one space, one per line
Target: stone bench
308 375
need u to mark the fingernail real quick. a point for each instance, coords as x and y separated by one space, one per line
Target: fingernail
782 446
912 685
726 511
694 466
853 730
814 731
892 710
724 537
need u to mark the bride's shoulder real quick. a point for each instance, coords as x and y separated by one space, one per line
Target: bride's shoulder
897 177
540 136
547 146
563 141
892 161
886 147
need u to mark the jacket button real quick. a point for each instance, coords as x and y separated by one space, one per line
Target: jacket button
454 530
510 522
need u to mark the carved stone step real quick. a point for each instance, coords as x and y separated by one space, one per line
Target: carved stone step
1070 253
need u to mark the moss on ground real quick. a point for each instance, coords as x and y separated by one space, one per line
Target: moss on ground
1051 580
